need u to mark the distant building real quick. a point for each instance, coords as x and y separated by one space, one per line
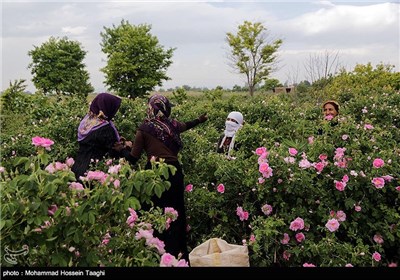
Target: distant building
284 89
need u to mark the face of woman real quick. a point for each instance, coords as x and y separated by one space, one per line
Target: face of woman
329 109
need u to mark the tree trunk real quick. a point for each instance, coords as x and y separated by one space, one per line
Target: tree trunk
251 90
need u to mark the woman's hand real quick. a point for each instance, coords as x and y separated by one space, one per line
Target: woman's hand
118 146
202 118
128 144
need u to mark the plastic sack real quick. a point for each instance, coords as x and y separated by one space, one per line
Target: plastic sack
217 252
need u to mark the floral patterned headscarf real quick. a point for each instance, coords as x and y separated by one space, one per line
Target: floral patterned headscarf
158 123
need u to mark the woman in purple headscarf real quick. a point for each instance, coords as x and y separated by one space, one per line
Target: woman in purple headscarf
96 132
159 137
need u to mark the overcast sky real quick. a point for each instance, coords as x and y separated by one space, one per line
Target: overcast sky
360 31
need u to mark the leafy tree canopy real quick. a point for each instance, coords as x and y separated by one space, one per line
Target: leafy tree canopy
251 53
136 61
57 67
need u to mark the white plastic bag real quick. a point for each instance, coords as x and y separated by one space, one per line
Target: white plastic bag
217 252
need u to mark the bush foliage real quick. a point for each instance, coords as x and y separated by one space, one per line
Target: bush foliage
333 203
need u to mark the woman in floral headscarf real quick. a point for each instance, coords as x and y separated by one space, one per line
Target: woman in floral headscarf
96 132
159 137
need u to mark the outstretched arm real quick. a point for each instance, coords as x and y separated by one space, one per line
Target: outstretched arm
188 125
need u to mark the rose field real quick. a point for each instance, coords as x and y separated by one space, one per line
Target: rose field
294 197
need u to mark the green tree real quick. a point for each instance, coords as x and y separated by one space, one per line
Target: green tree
270 84
251 53
236 88
57 67
303 86
136 61
13 95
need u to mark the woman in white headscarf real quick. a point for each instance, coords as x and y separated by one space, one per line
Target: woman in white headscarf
226 143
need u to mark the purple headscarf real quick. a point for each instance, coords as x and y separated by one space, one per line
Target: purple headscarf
160 125
107 103
103 108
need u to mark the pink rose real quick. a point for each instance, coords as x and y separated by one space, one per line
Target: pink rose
260 150
221 188
42 142
378 163
376 256
300 237
297 224
292 151
189 188
332 225
378 182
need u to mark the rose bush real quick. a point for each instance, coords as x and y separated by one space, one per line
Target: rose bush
342 187
94 223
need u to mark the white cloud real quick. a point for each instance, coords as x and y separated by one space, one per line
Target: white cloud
349 18
77 30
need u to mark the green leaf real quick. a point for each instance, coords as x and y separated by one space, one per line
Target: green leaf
77 238
128 190
133 202
164 171
81 209
21 160
44 158
158 189
349 203
2 224
137 184
84 217
71 231
52 238
92 218
50 188
27 229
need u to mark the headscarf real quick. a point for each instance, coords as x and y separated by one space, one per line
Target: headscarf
231 128
103 108
333 103
159 124
105 105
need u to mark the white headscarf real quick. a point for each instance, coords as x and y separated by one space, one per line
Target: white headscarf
231 128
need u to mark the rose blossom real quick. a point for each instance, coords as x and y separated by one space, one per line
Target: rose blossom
332 225
292 151
378 182
261 150
368 126
285 239
378 163
42 142
297 224
300 237
376 256
341 216
189 188
266 209
378 238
